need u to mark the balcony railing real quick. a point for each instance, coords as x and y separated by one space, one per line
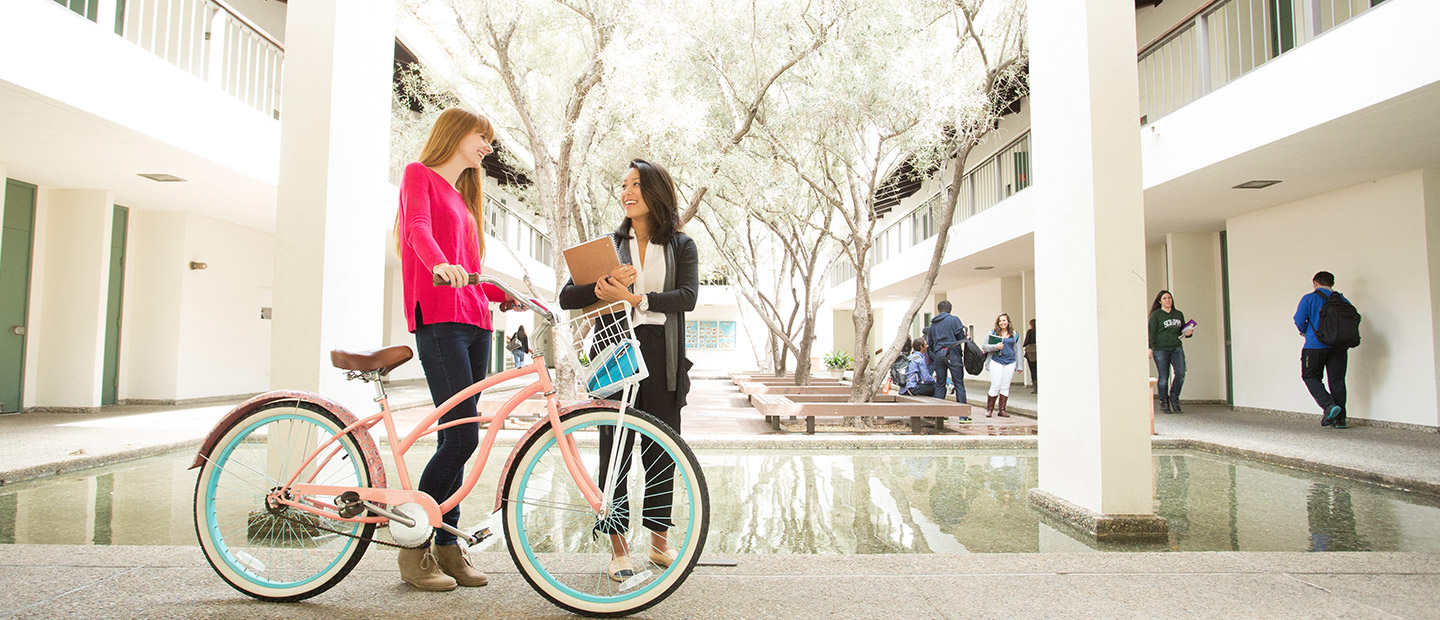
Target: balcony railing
997 178
516 232
206 38
1225 39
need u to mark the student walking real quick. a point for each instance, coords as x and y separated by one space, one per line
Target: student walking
438 234
1320 360
1029 348
519 345
918 380
659 276
1167 327
1001 346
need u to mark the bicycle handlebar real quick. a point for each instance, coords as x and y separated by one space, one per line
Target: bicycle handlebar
475 278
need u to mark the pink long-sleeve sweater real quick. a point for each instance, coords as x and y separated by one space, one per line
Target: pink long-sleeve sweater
437 228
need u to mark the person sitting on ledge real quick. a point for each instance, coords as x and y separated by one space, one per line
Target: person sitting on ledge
918 380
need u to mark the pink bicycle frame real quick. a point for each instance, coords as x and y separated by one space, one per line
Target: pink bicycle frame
398 447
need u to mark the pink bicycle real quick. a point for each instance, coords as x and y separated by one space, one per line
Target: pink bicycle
292 487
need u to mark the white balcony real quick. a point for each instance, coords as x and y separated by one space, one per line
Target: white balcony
85 107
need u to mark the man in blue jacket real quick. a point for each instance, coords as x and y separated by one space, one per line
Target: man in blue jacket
1318 359
918 380
944 335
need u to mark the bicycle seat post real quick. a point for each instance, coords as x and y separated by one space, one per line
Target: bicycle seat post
374 377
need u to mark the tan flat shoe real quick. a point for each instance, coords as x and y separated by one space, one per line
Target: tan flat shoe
664 560
621 569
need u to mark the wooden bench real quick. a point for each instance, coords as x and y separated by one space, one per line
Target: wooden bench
921 410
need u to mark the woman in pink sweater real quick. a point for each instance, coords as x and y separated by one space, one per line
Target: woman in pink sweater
439 233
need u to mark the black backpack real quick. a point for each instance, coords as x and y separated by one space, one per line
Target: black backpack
1339 324
974 357
897 372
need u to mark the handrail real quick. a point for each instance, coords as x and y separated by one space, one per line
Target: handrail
252 25
987 160
1185 21
881 244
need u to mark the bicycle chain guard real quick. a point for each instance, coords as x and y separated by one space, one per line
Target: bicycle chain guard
412 536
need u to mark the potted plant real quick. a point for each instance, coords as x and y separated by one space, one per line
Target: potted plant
837 363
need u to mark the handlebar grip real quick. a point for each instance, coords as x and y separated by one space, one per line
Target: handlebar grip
473 278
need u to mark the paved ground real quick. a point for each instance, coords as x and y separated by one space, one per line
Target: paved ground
175 582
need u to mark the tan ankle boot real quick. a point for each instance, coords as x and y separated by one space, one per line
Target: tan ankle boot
456 563
419 568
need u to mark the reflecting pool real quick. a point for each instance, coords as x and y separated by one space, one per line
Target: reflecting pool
833 502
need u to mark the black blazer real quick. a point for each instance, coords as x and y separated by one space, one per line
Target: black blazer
682 285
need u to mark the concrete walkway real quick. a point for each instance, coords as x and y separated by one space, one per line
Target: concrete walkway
175 582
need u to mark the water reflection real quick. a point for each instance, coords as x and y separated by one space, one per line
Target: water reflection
830 502
1332 519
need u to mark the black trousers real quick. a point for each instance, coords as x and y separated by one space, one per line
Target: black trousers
1331 363
655 398
926 389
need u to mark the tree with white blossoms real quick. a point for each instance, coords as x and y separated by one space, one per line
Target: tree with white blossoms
773 240
920 80
587 84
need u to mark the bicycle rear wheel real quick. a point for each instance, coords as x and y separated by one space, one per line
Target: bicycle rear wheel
283 554
552 531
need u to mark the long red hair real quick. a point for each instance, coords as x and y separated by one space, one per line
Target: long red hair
453 126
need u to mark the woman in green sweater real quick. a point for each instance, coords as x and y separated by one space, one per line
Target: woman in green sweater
1167 327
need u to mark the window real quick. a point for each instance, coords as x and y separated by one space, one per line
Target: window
710 334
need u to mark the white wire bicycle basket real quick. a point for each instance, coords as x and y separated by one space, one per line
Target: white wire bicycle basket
604 344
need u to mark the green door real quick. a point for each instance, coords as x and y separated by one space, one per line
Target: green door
116 296
17 227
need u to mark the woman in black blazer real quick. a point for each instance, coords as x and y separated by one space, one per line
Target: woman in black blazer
659 276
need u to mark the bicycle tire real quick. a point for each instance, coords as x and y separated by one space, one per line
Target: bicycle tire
566 562
256 552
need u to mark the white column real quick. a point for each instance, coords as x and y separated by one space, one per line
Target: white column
76 281
332 206
1432 250
1194 272
1090 258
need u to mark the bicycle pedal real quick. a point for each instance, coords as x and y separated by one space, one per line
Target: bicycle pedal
479 536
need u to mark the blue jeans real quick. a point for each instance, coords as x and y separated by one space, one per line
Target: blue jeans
454 356
950 363
1164 361
519 358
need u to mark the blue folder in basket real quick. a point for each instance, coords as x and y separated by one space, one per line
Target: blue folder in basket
617 366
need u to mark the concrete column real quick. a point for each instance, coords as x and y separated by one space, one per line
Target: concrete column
1095 470
1157 276
76 275
1432 245
1194 268
332 206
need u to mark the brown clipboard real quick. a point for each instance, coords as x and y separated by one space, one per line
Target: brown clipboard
590 261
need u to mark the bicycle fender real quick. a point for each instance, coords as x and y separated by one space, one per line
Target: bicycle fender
504 486
366 441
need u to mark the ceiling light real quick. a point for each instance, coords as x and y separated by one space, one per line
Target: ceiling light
163 178
1258 184
984 268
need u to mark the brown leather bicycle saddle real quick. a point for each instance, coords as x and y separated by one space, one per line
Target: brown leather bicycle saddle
383 360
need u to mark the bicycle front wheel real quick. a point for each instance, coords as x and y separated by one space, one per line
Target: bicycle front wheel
563 548
282 554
